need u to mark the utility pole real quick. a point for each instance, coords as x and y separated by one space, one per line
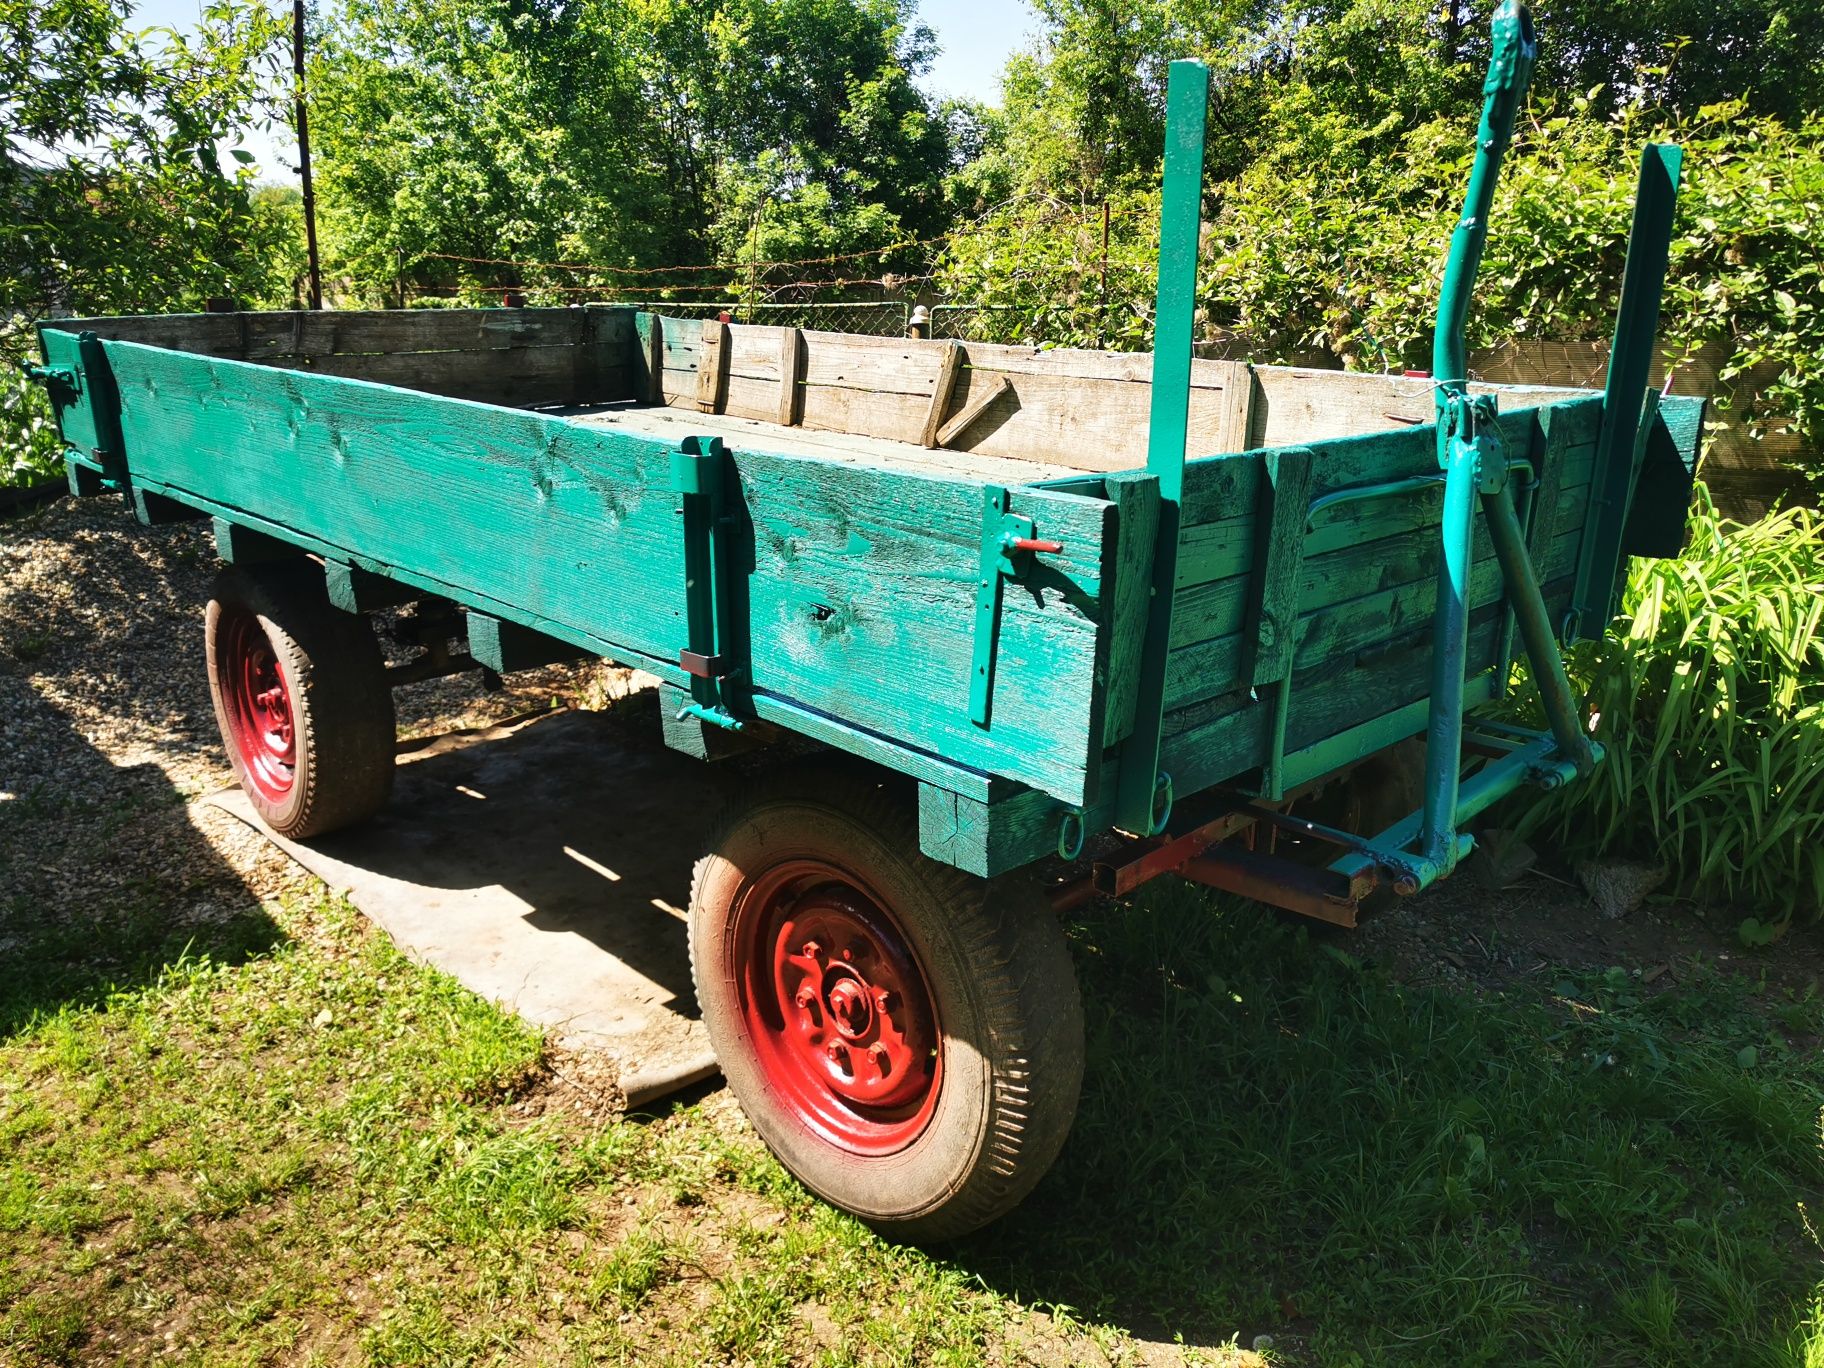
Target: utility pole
303 130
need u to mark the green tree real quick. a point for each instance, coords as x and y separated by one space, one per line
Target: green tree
116 198
632 133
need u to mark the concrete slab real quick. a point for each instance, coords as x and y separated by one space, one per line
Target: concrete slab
546 866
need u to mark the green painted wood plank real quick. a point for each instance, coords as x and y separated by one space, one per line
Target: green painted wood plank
1662 495
1217 749
1136 499
862 603
1274 583
987 837
1217 487
1218 550
859 602
1332 619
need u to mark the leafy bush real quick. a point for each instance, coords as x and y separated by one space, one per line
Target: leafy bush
1709 695
1322 252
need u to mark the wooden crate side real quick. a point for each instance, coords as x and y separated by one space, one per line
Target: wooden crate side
859 603
1301 406
1083 409
507 356
862 604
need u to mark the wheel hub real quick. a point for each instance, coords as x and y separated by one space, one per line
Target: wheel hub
258 706
839 1012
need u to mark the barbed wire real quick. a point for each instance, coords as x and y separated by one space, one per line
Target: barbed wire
750 267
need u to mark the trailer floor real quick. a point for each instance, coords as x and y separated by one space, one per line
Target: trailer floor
675 424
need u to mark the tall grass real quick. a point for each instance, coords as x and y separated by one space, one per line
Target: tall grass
1709 694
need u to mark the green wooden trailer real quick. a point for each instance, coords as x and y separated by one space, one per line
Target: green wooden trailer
1119 609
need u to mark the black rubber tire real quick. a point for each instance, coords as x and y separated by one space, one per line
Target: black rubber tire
1000 979
341 704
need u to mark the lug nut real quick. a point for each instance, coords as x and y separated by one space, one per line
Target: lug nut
882 1060
839 1056
811 950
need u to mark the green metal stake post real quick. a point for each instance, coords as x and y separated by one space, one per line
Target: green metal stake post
1144 795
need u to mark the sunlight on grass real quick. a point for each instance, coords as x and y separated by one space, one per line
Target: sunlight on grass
309 1151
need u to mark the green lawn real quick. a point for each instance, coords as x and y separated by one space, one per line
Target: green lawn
275 1140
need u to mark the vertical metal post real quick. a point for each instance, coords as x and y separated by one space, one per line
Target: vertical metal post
303 131
1509 70
1449 648
1144 794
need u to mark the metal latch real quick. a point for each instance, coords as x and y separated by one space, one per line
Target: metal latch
699 473
67 377
1008 550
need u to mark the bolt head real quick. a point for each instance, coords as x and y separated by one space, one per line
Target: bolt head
839 1056
882 1060
811 950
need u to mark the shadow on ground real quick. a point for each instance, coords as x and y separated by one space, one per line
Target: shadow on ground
104 881
1278 1138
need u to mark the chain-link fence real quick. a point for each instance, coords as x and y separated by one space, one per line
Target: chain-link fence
875 318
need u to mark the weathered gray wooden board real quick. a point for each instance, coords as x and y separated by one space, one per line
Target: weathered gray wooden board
860 603
1082 409
1302 406
742 434
504 356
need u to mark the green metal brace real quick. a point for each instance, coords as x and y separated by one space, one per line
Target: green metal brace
1008 548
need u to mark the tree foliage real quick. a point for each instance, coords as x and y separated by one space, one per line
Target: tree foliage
631 133
117 198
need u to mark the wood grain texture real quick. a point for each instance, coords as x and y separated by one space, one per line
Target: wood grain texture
976 406
791 373
940 395
503 356
859 603
711 361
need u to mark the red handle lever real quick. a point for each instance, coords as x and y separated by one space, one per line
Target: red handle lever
1034 544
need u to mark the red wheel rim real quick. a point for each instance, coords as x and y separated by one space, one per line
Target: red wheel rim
836 1006
258 704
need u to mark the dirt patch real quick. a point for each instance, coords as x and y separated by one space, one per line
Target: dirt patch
1465 934
107 724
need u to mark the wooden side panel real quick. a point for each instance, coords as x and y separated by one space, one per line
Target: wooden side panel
1365 591
858 603
502 356
1083 409
1296 406
863 605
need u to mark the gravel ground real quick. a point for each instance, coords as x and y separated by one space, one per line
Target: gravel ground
106 731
